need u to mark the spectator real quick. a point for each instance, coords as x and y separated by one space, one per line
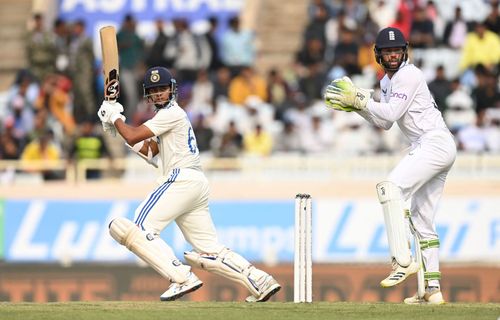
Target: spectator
131 52
422 30
221 84
54 97
481 47
314 6
192 53
82 71
404 18
486 94
315 29
258 142
213 45
247 83
492 130
278 92
89 145
62 37
41 49
455 31
333 30
288 139
382 12
43 151
202 96
231 142
238 48
10 145
346 52
203 133
26 85
257 112
318 136
492 21
472 138
312 53
459 111
355 9
440 88
161 52
311 84
432 13
21 117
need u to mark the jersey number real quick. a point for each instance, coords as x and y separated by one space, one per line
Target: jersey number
193 148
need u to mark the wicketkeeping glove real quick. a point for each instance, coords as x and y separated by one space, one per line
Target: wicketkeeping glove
341 94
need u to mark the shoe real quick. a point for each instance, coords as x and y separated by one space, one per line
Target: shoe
431 296
399 273
268 288
177 290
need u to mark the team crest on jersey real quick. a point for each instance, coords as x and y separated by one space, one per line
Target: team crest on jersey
155 76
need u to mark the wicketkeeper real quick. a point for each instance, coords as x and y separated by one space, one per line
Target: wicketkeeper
181 196
421 174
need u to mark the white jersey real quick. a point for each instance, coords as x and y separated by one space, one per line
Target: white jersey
406 99
175 138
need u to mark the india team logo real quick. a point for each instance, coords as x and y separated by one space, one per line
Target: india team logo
155 76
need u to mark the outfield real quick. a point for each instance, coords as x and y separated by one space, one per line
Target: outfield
238 310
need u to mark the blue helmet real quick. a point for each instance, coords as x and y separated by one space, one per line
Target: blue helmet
390 38
159 77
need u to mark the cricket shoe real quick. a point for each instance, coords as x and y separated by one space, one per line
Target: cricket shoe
268 287
177 290
399 273
432 296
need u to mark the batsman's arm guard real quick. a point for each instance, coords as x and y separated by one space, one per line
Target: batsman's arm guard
149 158
390 197
231 266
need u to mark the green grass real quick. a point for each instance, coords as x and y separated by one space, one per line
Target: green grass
237 310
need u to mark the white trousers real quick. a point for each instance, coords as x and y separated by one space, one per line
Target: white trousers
183 197
421 175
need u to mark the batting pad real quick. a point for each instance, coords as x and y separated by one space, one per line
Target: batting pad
229 265
150 248
390 197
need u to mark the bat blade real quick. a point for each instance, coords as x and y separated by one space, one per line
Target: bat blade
110 63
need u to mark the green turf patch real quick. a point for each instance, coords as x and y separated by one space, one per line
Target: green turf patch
238 310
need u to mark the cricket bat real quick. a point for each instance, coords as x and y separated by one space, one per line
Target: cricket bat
110 66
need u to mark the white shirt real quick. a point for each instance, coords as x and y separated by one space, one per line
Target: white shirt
175 138
406 99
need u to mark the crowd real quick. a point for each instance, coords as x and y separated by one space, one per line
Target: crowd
50 110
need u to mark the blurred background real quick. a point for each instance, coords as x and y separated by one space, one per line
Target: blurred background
251 75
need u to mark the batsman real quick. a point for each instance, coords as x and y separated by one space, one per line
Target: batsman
421 174
181 196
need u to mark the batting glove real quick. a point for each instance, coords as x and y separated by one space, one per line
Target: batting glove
342 94
109 112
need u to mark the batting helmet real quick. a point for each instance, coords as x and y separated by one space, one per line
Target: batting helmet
390 38
159 77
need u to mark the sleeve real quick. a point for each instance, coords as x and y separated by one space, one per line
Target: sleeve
404 88
371 118
163 121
